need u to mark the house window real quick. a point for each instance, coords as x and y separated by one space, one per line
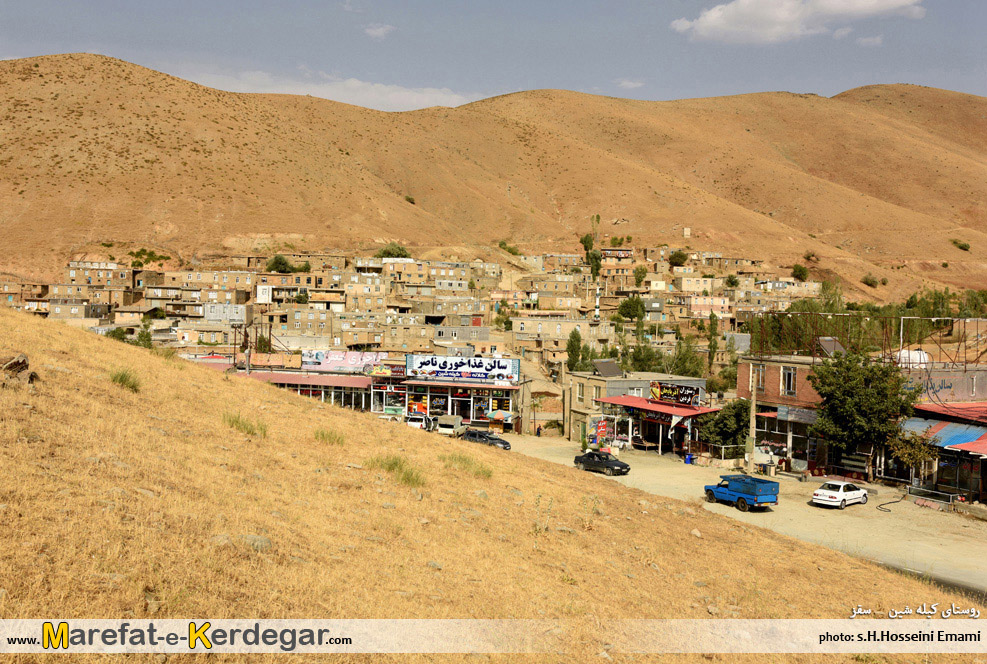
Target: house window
580 391
596 392
757 376
788 375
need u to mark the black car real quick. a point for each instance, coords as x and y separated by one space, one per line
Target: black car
601 461
486 438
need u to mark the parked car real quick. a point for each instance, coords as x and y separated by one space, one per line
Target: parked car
418 422
487 438
839 494
450 425
601 461
744 491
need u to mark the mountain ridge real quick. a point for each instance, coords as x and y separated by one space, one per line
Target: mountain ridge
877 179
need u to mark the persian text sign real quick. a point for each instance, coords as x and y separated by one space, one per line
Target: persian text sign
473 368
340 361
686 395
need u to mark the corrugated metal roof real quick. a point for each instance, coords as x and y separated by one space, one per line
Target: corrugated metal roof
947 434
656 407
325 380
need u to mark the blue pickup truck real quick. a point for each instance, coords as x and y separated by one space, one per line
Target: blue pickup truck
743 491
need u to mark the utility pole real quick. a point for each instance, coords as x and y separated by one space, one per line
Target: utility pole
749 448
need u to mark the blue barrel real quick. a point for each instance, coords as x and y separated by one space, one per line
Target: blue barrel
688 458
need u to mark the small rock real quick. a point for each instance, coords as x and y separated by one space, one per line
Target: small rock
159 430
424 521
153 606
258 543
3 594
94 460
374 538
299 560
146 493
277 515
220 540
417 494
481 494
354 465
161 658
388 506
712 610
563 529
516 492
696 533
604 654
699 584
434 565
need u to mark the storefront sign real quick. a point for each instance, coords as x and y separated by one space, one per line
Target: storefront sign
387 371
793 414
339 361
473 368
686 395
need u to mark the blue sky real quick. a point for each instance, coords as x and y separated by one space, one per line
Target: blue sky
400 55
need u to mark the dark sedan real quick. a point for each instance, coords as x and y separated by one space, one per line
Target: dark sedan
601 462
486 438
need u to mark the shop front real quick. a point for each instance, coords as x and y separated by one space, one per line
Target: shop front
653 425
346 391
388 393
478 389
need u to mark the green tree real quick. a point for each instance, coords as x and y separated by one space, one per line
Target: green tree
118 333
471 285
503 318
301 298
393 250
587 242
678 258
263 344
144 336
728 426
800 272
632 308
732 281
573 349
595 260
640 272
278 263
863 402
712 338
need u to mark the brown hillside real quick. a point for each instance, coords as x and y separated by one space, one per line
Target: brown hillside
877 179
150 504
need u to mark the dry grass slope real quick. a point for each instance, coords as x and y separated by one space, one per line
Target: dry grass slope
135 504
877 179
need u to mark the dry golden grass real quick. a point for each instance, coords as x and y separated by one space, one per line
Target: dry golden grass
123 504
877 179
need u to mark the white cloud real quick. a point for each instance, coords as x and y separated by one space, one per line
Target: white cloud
842 33
776 21
870 41
381 96
629 83
379 30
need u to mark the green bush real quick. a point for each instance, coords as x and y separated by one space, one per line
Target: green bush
127 379
512 250
329 437
393 250
245 426
410 199
800 272
398 467
466 463
959 244
678 258
869 280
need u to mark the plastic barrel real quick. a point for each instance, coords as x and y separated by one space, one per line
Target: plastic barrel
688 458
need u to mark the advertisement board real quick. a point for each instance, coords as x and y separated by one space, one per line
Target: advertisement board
685 395
471 368
340 361
387 370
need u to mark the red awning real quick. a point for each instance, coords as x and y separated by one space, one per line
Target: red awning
316 380
675 410
971 412
442 383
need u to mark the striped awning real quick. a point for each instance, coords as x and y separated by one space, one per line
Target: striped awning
948 434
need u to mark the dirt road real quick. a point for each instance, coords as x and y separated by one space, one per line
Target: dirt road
946 547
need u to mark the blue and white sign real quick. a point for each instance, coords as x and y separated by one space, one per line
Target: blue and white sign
470 368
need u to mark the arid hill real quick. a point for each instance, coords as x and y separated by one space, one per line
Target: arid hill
878 179
173 490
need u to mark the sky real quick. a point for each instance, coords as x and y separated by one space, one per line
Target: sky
401 55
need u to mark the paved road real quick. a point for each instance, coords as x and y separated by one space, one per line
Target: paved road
947 547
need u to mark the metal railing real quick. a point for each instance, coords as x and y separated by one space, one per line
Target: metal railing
937 496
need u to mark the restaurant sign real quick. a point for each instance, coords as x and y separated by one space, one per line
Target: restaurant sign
340 361
685 395
387 370
471 368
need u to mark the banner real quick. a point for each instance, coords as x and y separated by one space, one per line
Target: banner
684 395
473 368
340 361
388 371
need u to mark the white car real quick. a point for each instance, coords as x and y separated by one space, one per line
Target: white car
839 494
418 422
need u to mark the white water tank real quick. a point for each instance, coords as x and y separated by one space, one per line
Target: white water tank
913 359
